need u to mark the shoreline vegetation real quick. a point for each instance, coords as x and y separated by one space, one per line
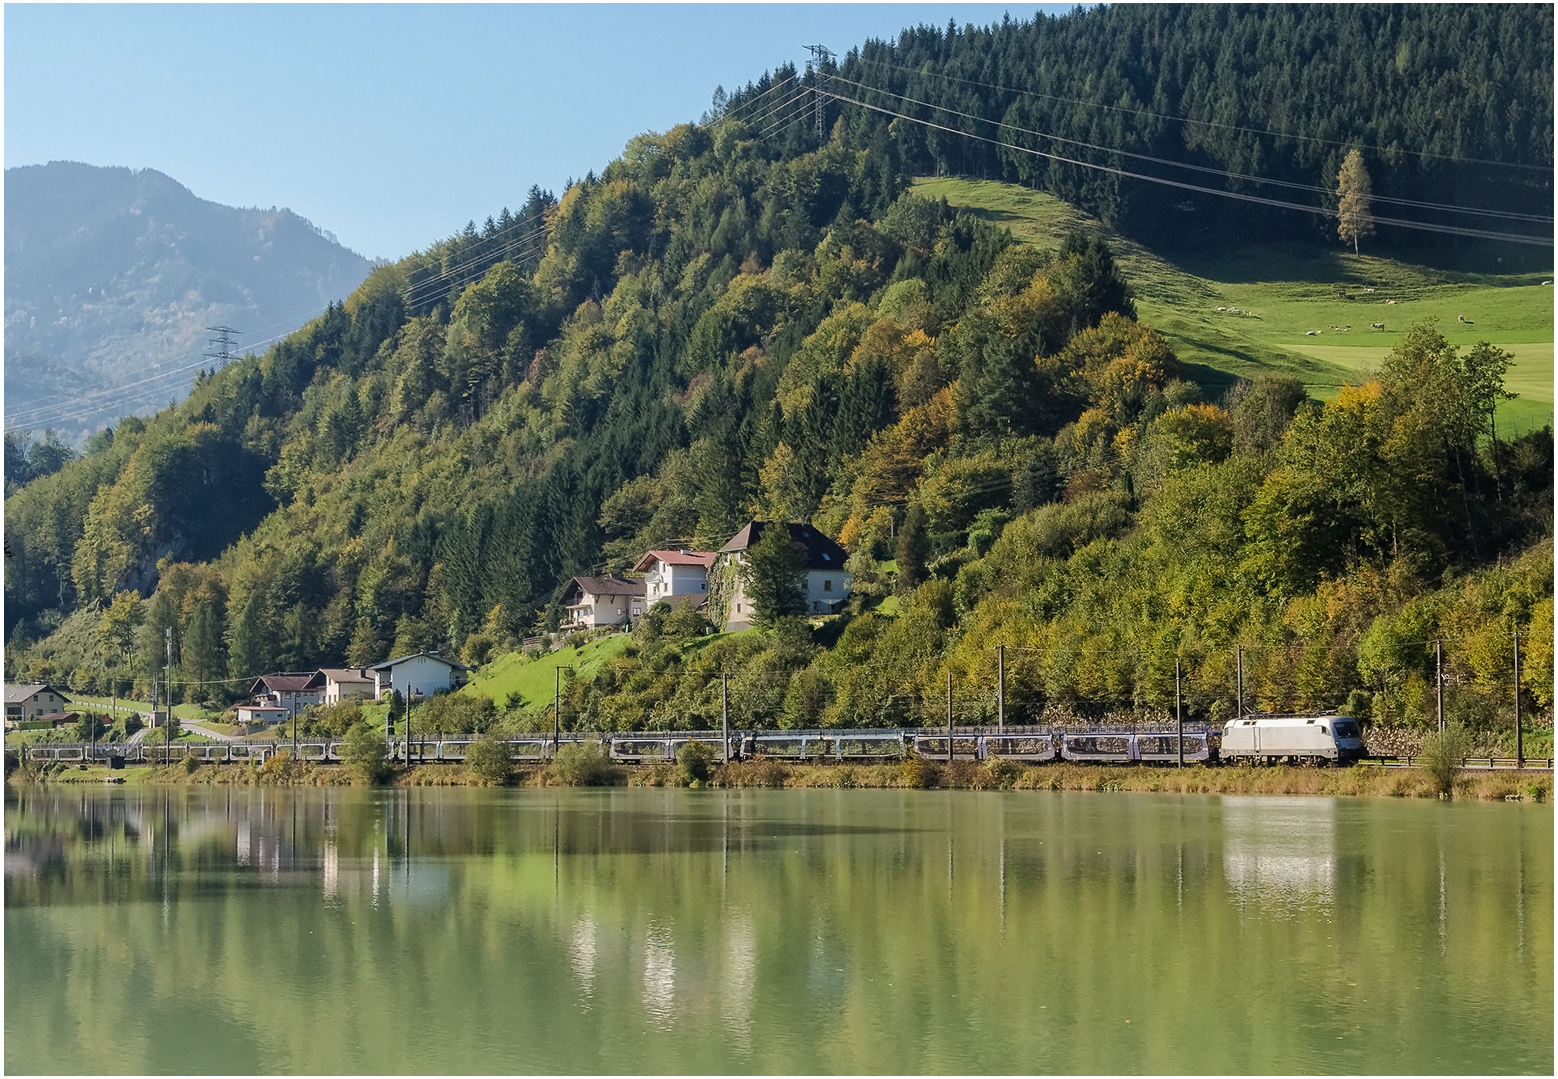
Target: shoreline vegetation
1364 780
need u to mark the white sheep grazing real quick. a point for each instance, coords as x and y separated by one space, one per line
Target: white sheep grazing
1388 302
1377 325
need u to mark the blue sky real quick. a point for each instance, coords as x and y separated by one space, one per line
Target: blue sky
391 125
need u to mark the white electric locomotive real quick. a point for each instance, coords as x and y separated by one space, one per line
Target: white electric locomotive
1319 739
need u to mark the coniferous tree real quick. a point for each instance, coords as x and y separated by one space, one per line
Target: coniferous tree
913 548
201 652
366 648
772 572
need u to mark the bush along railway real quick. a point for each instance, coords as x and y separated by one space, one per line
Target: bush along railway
1322 739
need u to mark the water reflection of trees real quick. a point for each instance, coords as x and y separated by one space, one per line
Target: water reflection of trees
788 931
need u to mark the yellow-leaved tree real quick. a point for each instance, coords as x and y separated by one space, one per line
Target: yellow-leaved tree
1354 196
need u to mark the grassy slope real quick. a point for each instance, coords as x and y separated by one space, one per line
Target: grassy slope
515 673
183 711
1284 290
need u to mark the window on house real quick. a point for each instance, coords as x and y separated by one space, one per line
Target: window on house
827 584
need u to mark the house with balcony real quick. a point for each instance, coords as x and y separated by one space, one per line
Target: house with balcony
592 602
336 684
676 576
290 691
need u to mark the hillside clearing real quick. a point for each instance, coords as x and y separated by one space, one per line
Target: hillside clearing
1300 310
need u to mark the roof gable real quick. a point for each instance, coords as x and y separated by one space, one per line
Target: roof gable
282 683
605 586
340 676
434 656
821 552
683 557
18 694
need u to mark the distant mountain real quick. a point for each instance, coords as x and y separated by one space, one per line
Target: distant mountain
112 276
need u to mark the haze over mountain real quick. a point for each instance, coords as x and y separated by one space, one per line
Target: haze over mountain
113 275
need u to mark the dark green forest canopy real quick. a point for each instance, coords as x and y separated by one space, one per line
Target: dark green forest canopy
1450 103
731 321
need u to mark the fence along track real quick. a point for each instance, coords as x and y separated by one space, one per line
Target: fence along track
1096 745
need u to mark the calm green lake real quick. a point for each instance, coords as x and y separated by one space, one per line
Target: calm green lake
264 930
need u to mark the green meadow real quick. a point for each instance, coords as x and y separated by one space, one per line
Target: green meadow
527 682
1304 310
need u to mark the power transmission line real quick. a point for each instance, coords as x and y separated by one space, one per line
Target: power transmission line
736 112
54 413
819 55
38 404
420 291
762 118
1004 125
1207 123
1449 230
222 344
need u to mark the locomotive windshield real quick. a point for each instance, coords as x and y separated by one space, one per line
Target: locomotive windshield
1346 728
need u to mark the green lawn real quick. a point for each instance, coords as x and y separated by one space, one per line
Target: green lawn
1284 291
531 679
183 711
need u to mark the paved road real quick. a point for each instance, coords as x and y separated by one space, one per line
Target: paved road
215 736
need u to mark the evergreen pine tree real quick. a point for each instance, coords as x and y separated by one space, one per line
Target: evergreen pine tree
772 572
913 548
366 648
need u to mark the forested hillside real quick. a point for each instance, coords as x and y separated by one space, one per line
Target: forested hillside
1451 105
724 324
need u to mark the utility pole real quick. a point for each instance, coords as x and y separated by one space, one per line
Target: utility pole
724 712
949 715
1179 713
1439 680
557 703
1000 689
819 53
408 699
221 345
1240 661
1520 747
167 681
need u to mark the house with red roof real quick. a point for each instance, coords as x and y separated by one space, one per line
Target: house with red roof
673 575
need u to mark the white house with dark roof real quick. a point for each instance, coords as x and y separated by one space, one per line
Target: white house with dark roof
602 601
672 575
826 586
425 673
336 684
289 691
34 701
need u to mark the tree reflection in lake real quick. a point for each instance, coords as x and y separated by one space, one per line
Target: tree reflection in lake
341 930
